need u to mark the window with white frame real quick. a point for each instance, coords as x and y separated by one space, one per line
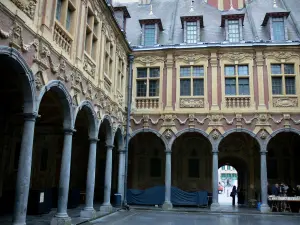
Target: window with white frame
147 82
192 81
237 80
91 37
65 11
283 79
149 35
191 32
233 31
278 28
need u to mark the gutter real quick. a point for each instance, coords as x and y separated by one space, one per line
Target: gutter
129 101
214 45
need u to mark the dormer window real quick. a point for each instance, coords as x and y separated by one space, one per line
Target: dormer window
278 28
234 31
191 28
232 20
275 22
149 35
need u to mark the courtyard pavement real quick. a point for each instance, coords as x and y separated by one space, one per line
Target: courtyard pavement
137 217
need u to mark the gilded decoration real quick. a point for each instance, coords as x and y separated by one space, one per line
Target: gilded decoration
283 55
27 6
149 59
89 66
188 58
236 56
192 103
285 102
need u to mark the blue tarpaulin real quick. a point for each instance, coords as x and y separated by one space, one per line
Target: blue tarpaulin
156 196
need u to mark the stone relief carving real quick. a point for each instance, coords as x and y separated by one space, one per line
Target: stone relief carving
39 81
283 55
192 103
89 66
76 80
191 57
236 56
168 134
27 6
285 102
149 59
215 135
16 38
263 134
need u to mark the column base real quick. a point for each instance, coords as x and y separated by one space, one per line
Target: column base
214 206
88 213
61 220
264 209
167 206
106 208
19 223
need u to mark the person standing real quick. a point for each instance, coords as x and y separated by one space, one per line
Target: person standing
233 194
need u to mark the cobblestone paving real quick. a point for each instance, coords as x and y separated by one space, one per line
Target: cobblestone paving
135 217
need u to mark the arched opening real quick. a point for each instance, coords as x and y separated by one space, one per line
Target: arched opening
146 163
191 168
48 149
79 158
283 159
104 136
16 98
241 151
227 179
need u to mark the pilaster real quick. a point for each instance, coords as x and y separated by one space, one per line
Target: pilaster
169 65
260 77
214 82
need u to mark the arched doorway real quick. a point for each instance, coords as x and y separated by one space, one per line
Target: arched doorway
48 169
283 159
17 97
242 151
146 166
227 179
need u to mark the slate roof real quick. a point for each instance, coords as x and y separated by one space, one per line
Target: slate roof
170 12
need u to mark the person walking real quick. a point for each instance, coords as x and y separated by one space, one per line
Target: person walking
233 194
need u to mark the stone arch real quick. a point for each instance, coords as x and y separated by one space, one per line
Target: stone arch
28 81
92 118
107 122
236 130
120 137
65 99
149 130
187 130
281 130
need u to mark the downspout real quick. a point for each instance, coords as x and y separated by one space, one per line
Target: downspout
129 101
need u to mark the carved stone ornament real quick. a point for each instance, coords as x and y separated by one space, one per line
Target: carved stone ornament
168 120
89 66
89 92
215 120
146 119
27 6
120 99
149 59
39 81
263 135
191 57
76 80
215 134
192 103
283 55
168 134
285 102
237 56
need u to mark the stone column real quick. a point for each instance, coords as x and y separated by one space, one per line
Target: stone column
89 212
106 206
168 204
264 181
24 171
121 173
215 203
61 217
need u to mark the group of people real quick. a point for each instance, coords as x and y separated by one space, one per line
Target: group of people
283 189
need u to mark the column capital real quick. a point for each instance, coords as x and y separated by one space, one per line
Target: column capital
215 152
121 150
109 147
69 131
93 140
263 152
30 116
168 151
